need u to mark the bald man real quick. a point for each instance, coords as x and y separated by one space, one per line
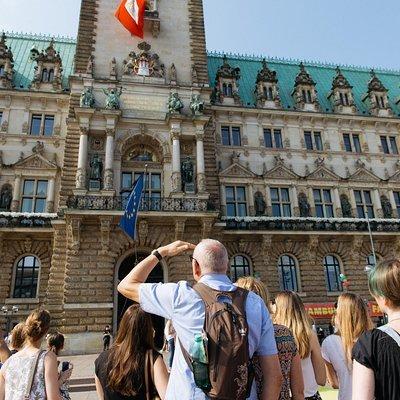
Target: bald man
181 304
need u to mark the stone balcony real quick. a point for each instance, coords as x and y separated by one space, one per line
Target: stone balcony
294 224
152 204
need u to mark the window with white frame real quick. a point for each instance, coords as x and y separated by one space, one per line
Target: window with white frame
42 125
231 136
313 141
280 199
307 96
26 278
389 145
332 273
352 143
236 203
273 138
397 201
34 194
268 92
365 207
152 189
227 89
344 98
288 273
380 101
240 266
323 203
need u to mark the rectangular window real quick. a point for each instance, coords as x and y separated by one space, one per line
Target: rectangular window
397 201
313 141
347 142
236 204
352 143
273 139
393 145
323 203
385 146
1 117
231 136
280 199
364 204
34 196
42 125
389 145
357 144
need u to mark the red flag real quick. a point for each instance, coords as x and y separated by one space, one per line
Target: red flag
131 15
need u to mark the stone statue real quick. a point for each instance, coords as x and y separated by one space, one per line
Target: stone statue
387 209
259 204
113 98
304 206
346 207
38 148
196 105
113 68
87 98
90 65
187 171
175 104
5 197
172 74
96 168
195 78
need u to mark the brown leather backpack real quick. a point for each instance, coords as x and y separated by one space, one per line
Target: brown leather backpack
225 325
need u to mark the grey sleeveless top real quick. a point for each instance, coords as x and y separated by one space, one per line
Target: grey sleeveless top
16 372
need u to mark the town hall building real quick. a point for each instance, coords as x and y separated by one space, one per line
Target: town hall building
290 164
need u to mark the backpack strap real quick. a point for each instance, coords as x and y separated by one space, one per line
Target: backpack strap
391 332
32 371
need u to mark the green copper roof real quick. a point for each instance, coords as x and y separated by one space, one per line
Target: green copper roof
322 74
21 45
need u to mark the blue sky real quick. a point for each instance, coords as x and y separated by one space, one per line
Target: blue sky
359 32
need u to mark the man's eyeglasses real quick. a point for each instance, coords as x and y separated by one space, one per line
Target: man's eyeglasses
192 258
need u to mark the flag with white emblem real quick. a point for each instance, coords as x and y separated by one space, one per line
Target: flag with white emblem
131 15
128 221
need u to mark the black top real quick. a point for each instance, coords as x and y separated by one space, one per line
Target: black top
376 350
101 369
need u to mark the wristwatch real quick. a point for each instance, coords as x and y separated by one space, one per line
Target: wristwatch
157 254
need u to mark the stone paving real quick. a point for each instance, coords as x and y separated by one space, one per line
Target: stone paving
84 373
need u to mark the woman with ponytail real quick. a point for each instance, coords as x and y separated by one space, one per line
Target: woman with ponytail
31 373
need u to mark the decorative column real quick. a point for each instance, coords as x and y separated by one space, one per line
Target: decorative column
223 199
252 210
268 201
337 205
377 204
201 171
295 201
82 159
109 172
311 201
176 158
50 195
16 193
353 202
393 203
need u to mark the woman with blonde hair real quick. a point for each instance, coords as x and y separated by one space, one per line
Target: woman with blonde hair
351 321
292 386
31 373
290 312
376 355
131 369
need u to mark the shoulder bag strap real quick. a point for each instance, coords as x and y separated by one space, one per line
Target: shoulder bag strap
146 376
391 332
32 374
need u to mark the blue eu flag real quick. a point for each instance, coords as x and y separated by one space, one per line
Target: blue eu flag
128 221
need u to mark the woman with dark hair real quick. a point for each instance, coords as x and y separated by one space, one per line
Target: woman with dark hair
131 369
376 355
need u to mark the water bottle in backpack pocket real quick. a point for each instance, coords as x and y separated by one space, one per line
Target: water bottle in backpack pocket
198 354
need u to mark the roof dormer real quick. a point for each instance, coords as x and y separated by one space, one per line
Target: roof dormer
378 97
341 94
304 93
6 64
267 91
226 89
48 70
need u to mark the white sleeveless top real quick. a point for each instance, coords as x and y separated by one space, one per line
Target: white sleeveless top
16 370
310 383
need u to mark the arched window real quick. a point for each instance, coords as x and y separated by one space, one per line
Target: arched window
224 89
51 75
288 273
332 274
270 93
26 278
240 266
45 75
229 90
2 70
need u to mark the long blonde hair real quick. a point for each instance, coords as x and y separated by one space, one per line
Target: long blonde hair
254 285
351 320
291 313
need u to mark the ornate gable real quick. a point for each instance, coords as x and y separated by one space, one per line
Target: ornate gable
304 92
35 161
280 171
6 64
303 77
340 81
375 84
395 178
267 91
323 173
236 170
363 175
